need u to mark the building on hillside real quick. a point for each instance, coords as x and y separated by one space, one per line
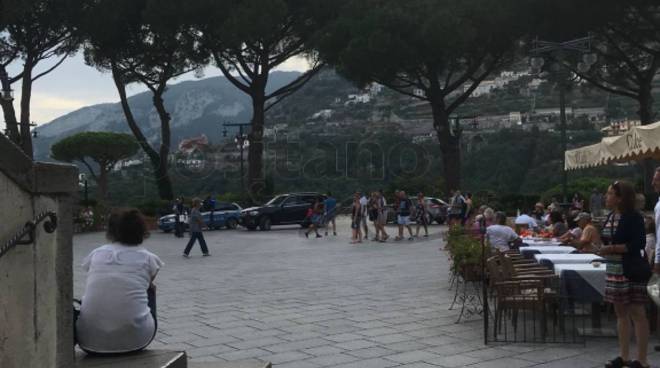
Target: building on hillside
483 88
323 114
419 92
619 127
190 145
418 139
375 89
358 99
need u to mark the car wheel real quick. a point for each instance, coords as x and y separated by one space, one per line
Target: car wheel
232 224
167 231
440 220
264 224
251 228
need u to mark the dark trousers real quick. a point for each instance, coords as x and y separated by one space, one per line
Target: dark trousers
178 229
202 243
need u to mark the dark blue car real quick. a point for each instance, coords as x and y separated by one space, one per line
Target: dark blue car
225 215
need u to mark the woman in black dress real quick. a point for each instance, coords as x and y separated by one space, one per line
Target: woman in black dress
625 239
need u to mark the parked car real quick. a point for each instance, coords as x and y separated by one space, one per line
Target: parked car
225 215
437 210
284 209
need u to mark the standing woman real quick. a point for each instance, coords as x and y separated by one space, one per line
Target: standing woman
421 215
626 274
356 219
196 223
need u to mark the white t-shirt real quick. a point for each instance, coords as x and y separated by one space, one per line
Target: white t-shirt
114 315
499 236
363 205
526 220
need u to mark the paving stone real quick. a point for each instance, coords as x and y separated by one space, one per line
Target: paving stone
309 304
372 352
412 356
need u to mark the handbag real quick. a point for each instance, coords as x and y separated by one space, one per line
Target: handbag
636 269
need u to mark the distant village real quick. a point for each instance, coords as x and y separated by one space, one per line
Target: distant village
196 151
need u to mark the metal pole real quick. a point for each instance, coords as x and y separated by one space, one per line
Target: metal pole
562 113
240 142
86 198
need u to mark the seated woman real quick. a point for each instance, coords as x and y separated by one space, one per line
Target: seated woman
589 241
574 232
559 228
118 311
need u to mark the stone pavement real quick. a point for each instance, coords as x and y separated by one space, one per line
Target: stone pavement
300 302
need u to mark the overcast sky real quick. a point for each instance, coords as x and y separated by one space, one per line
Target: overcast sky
74 85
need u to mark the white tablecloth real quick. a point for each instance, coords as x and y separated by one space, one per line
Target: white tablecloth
541 243
595 276
548 249
555 259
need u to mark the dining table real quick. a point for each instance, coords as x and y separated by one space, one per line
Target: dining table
550 260
530 251
584 283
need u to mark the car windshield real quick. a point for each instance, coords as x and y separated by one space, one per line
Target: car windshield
276 201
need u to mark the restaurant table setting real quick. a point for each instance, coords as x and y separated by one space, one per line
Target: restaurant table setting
530 251
550 260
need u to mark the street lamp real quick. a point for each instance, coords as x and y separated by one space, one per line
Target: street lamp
242 142
555 52
82 180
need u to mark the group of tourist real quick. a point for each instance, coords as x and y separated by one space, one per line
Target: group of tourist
626 239
373 208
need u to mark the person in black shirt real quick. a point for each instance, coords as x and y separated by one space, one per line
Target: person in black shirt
625 239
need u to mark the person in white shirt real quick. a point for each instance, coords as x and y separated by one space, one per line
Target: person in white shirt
118 309
501 236
364 201
525 219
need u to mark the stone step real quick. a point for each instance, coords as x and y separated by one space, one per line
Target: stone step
142 359
236 364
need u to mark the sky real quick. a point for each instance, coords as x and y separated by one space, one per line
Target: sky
74 85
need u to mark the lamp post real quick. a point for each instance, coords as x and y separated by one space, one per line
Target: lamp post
83 180
556 53
242 142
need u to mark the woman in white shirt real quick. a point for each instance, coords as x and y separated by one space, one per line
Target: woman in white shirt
118 310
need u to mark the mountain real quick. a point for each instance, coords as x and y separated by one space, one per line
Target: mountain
197 107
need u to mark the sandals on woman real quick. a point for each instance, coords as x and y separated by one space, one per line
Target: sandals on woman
638 364
617 362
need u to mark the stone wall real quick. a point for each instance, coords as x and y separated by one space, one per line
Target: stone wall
36 279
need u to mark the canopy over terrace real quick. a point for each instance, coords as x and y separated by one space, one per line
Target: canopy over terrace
640 142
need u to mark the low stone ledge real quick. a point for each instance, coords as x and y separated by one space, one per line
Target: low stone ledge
252 363
143 359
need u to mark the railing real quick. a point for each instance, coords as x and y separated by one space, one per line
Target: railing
27 234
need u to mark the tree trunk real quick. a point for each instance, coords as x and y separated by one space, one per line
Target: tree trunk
26 96
9 113
158 162
256 182
162 173
449 146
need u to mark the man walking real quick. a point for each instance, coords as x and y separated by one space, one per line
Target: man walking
330 206
196 223
656 267
363 207
179 212
381 205
403 218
